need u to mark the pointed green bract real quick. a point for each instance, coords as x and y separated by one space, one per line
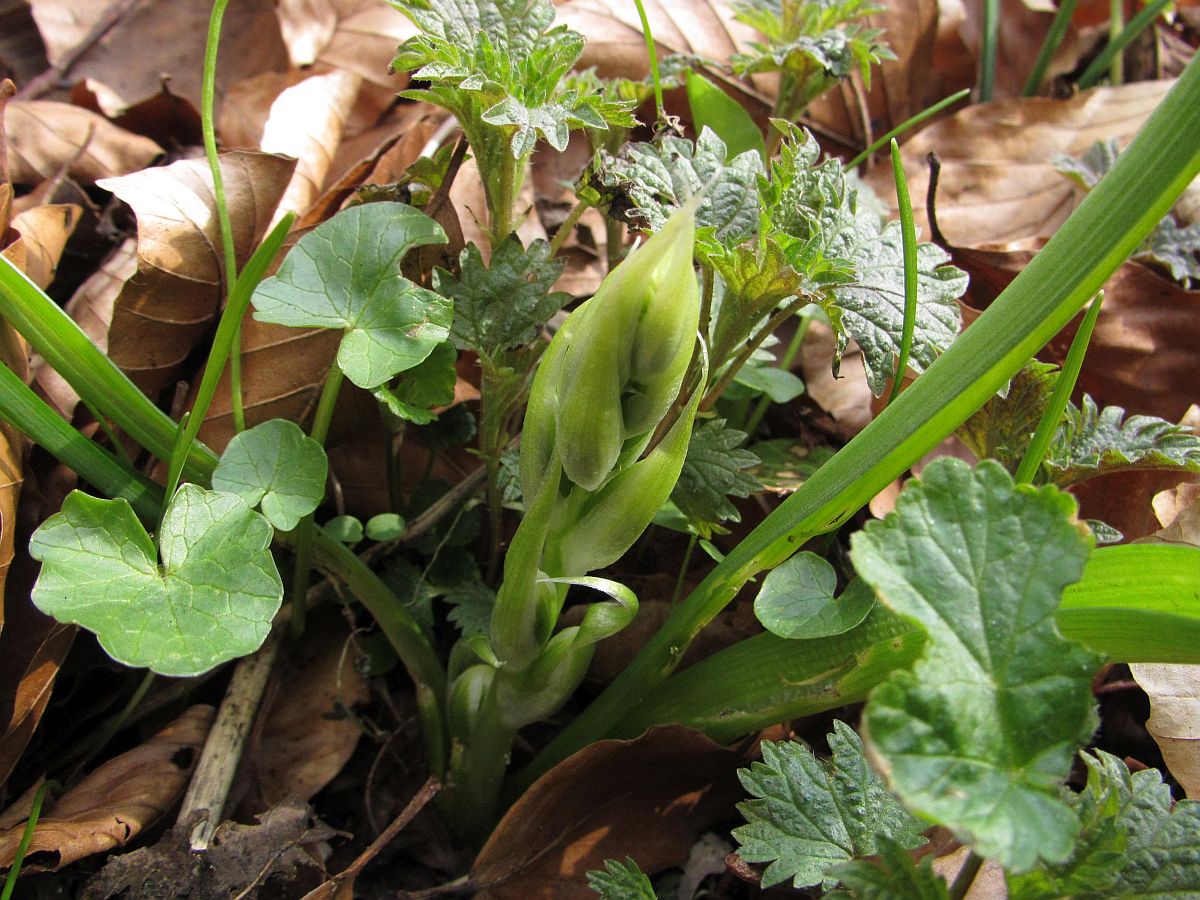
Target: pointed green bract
345 274
275 466
212 599
980 734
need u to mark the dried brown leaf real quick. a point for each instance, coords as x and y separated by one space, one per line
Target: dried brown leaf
64 24
22 54
173 298
46 137
44 232
14 355
358 36
647 798
114 803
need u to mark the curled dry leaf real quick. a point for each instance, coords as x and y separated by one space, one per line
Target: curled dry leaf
308 733
44 232
130 61
648 798
114 803
358 36
47 137
175 295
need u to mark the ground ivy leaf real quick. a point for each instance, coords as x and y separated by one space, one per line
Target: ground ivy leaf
1092 442
713 471
797 600
212 599
621 881
345 274
896 876
503 305
809 815
1133 843
426 385
275 466
980 734
657 179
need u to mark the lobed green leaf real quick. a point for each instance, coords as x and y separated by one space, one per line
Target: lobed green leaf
277 467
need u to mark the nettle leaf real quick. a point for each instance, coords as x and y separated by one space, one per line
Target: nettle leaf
621 881
427 385
503 305
895 876
980 734
1133 843
797 599
211 600
512 25
345 274
786 464
809 815
713 471
1002 428
277 467
1093 441
657 179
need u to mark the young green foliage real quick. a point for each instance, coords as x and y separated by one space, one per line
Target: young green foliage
810 815
277 468
797 600
894 876
621 881
419 390
967 737
345 274
714 471
1001 428
211 600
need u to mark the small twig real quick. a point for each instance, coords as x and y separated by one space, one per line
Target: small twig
966 876
213 778
935 173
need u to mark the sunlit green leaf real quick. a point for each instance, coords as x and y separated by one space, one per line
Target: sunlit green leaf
797 600
276 466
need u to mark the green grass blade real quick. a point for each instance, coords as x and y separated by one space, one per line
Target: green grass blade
1053 40
1107 226
908 232
1105 59
989 50
35 812
907 124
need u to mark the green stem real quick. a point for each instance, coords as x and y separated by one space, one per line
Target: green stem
114 724
789 357
778 318
236 406
208 87
1054 39
1106 58
1052 415
907 124
652 53
504 198
1116 24
987 56
567 227
1106 227
908 232
683 567
35 812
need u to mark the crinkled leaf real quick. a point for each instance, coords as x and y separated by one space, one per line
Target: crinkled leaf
345 274
1093 441
980 734
513 26
1002 428
503 305
809 815
621 881
1133 844
784 464
657 179
894 876
211 600
713 471
427 385
277 467
471 600
797 600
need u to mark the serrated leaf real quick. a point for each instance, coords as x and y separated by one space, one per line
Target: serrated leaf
512 25
657 179
1093 441
1133 844
1002 428
212 599
713 471
277 467
621 881
810 815
503 305
427 385
345 274
980 734
797 600
470 599
895 876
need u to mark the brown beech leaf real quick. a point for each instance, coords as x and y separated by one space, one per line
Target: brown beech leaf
307 734
358 36
22 54
174 297
647 798
998 182
14 355
46 137
44 232
64 24
162 40
114 803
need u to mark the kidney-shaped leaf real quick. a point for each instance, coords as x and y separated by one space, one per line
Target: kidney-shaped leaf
277 467
346 274
211 600
797 600
980 734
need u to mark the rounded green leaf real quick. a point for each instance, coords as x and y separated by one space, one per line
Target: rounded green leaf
211 600
277 467
385 526
797 600
345 274
347 529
